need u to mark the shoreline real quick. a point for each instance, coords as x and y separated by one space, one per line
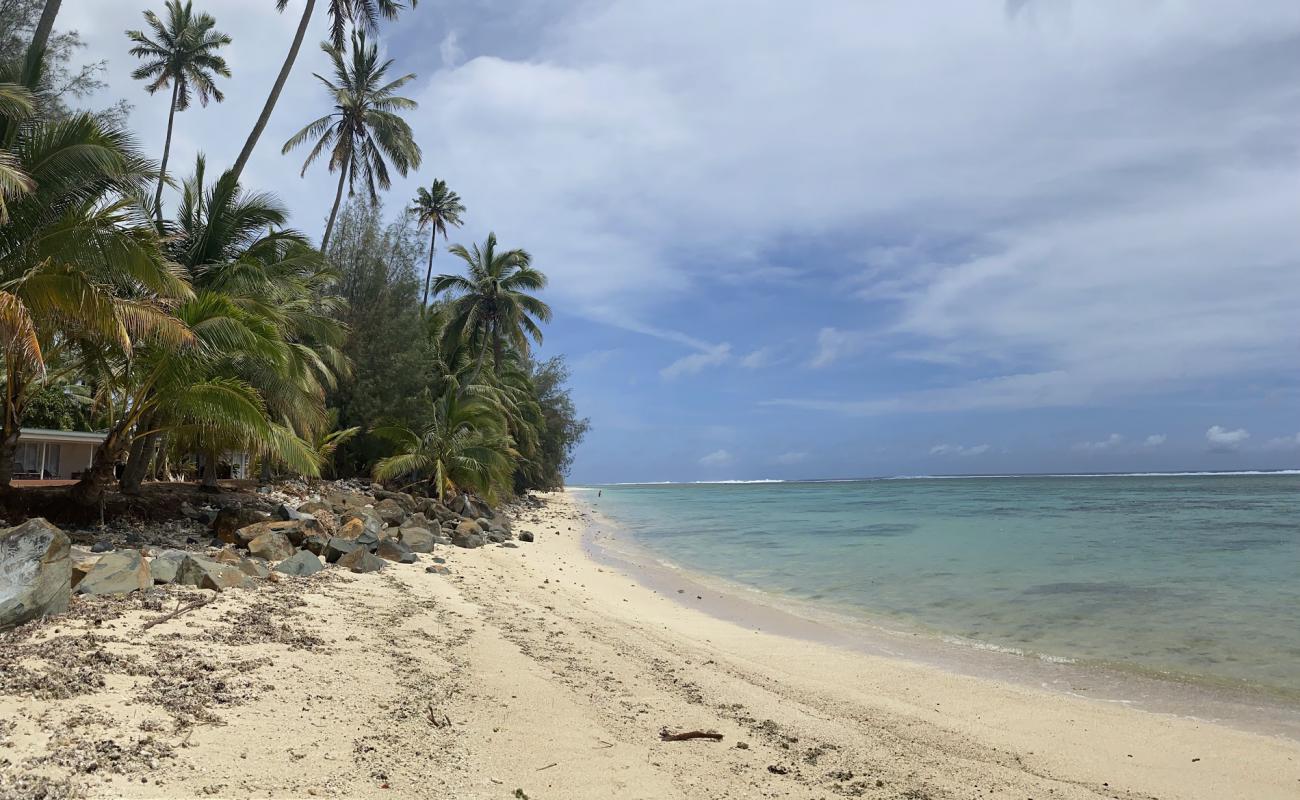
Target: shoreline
1245 708
527 669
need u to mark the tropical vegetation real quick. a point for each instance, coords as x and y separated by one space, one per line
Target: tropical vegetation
219 328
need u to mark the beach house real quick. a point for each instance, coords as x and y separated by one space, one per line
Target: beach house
48 455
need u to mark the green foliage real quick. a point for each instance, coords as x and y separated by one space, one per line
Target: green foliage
59 409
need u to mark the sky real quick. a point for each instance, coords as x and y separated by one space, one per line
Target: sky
851 237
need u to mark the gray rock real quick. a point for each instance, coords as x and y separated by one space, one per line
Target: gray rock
496 537
206 573
231 519
119 572
102 546
82 561
337 548
287 513
295 530
393 550
35 572
525 536
391 512
164 566
509 544
370 541
300 564
484 524
254 567
361 561
437 569
313 507
417 520
316 543
419 540
467 534
271 546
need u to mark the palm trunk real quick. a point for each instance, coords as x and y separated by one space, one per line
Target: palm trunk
137 462
10 428
265 116
428 274
167 149
40 38
90 489
334 212
211 467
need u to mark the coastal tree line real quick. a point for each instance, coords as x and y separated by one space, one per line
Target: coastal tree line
215 326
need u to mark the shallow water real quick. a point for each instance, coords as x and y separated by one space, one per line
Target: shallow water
1194 576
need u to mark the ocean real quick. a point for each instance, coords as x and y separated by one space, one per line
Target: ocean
1190 577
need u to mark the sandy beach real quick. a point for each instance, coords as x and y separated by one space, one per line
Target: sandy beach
535 671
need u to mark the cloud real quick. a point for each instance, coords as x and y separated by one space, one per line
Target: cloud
757 359
1155 440
697 362
1109 443
791 458
594 359
718 458
959 450
1283 443
834 344
450 51
1220 438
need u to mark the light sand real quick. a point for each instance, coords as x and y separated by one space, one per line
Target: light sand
538 669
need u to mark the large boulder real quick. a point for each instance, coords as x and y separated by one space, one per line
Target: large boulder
118 572
252 567
352 528
391 512
338 547
419 540
394 550
82 561
406 501
271 546
35 572
368 540
444 514
316 543
207 573
467 534
232 519
484 524
295 530
165 565
312 507
360 560
300 564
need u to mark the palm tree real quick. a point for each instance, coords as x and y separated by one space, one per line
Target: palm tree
363 13
15 104
436 207
491 307
463 445
364 127
183 56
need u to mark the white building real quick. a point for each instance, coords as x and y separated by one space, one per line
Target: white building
54 455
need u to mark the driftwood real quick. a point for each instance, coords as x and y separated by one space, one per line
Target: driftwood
665 736
173 615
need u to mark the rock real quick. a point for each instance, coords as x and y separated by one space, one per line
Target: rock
252 567
314 507
287 513
483 524
205 573
164 566
525 536
294 530
35 572
316 543
437 569
300 564
419 540
394 550
271 546
82 561
391 512
339 547
467 534
368 540
496 537
417 520
509 544
445 514
102 546
360 560
119 572
354 527
190 512
232 519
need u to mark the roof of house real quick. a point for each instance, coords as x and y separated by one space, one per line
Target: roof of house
47 435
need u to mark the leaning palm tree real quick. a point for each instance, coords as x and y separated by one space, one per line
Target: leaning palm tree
362 13
364 128
15 104
436 207
182 55
491 307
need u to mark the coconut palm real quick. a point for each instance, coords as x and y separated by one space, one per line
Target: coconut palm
364 128
16 105
463 445
436 207
362 13
181 56
81 268
491 308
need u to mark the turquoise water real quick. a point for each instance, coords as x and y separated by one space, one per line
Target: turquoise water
1197 577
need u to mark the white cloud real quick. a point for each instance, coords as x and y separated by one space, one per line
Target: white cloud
834 344
757 359
697 362
450 51
1155 440
959 450
718 458
1283 443
792 458
1109 443
1222 438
